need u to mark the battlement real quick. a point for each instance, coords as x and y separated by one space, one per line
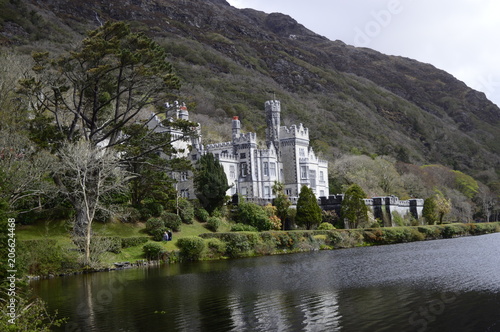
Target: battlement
245 138
224 145
267 153
228 157
273 106
294 132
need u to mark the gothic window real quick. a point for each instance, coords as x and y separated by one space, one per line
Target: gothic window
302 152
321 176
267 191
244 169
243 155
288 192
303 172
272 169
244 191
266 168
184 176
232 173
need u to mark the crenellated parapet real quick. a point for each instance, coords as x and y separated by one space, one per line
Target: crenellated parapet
268 153
215 146
245 138
228 157
294 131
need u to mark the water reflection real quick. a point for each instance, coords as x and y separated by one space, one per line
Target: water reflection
449 285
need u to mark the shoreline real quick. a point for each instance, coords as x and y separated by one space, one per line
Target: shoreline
252 244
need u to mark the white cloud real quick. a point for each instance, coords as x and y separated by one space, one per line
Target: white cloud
459 36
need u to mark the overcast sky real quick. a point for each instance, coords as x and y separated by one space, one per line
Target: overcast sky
459 36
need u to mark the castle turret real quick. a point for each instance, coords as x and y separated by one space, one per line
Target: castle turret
273 110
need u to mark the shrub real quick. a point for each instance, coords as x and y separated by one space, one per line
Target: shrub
325 226
157 234
153 224
145 213
154 208
191 248
275 222
254 215
113 243
152 250
213 223
186 211
42 257
128 242
243 228
201 214
215 248
171 221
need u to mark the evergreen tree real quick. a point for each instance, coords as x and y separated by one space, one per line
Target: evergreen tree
308 210
354 209
210 182
281 202
429 211
82 102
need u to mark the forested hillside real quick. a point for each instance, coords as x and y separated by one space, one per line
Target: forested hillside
380 120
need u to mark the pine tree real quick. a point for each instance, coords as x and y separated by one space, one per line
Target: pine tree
354 209
210 182
308 210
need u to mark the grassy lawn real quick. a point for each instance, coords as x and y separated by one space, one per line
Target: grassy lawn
59 230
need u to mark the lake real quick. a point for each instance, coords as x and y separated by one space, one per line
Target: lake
441 285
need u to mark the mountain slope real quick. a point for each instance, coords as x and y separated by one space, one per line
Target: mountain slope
352 99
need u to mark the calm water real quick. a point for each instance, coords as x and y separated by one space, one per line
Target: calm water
444 285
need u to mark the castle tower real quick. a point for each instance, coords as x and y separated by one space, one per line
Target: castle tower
273 110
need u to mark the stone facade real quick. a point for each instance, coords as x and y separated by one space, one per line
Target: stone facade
252 170
382 207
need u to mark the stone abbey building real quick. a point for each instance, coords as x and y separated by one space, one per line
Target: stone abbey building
287 157
251 170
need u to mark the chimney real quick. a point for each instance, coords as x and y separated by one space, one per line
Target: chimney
236 126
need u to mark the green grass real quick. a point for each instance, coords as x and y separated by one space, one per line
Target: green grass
59 230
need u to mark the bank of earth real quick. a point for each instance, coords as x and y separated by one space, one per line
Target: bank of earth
49 251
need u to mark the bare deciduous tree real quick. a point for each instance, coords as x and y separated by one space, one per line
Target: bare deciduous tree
87 175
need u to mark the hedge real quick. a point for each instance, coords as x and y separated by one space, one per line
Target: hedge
128 242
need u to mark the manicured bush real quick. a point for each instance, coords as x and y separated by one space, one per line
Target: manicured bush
156 228
171 221
254 215
191 248
152 250
201 214
128 242
325 226
213 223
243 228
186 211
153 224
158 234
